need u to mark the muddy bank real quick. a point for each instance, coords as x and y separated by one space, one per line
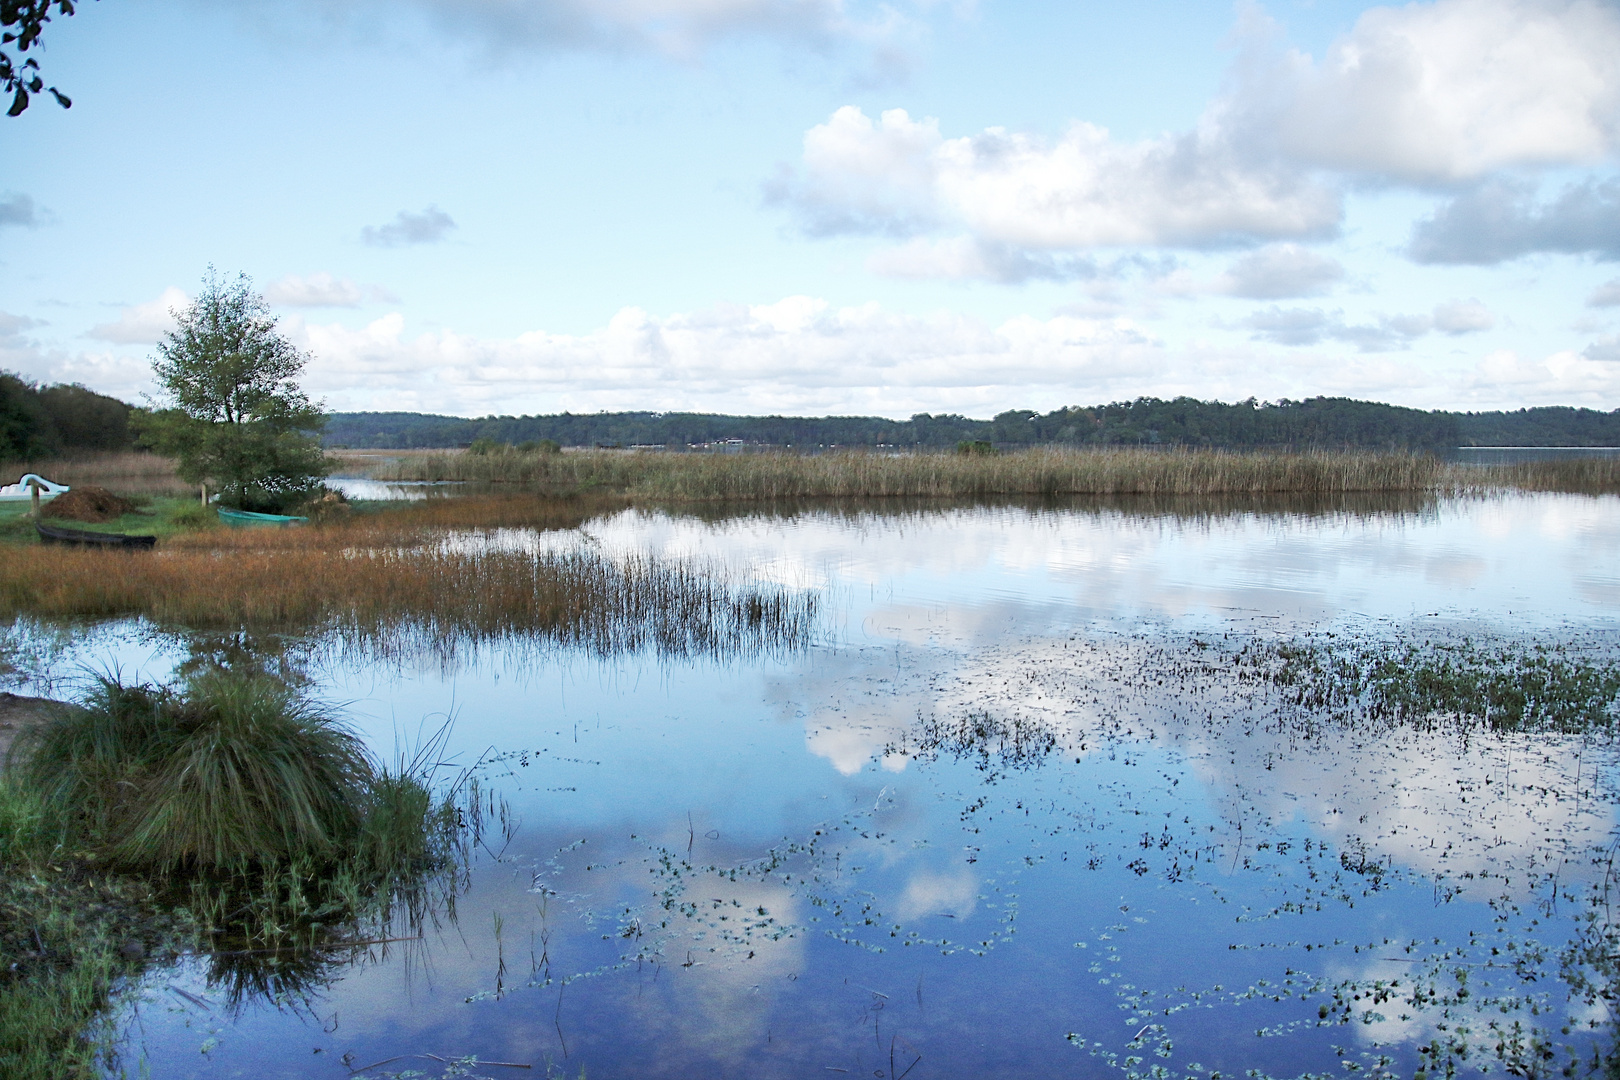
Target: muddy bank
18 713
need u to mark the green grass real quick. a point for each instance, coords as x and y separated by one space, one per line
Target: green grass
161 516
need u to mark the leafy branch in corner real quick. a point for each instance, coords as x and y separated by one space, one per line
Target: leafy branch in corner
21 24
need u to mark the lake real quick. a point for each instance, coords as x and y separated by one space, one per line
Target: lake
1032 802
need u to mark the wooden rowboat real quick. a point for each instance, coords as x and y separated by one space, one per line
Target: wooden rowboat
56 534
248 517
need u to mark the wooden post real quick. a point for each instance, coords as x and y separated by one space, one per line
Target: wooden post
33 498
205 496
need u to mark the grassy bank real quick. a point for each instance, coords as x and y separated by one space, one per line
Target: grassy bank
160 516
226 817
1046 471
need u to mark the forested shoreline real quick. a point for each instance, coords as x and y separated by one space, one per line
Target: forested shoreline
1317 423
39 420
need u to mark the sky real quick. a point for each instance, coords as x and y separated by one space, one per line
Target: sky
807 207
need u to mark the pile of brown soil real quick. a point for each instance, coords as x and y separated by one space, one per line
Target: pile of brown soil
87 503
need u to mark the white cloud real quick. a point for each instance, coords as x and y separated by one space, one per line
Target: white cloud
963 258
1503 220
427 227
142 324
1605 295
1280 272
799 354
1310 326
1436 93
902 176
1503 379
1440 92
14 325
1604 350
324 290
1462 317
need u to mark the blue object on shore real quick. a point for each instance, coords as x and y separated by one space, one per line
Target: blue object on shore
248 517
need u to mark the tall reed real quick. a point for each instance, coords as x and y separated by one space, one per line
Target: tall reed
1040 471
383 595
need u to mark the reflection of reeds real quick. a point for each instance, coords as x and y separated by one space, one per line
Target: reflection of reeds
1041 471
380 594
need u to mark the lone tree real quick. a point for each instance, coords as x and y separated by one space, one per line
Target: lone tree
235 416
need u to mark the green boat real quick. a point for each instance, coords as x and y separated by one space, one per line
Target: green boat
248 517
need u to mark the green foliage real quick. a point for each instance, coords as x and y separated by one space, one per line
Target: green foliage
235 418
39 420
22 419
84 419
976 447
190 516
233 770
482 447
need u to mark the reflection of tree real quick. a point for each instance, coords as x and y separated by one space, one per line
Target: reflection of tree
245 652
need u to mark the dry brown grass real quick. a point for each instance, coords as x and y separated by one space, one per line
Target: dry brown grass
1043 471
324 579
129 471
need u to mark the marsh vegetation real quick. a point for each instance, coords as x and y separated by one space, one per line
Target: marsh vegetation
1043 471
1274 782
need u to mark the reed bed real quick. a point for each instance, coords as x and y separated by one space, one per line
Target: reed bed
128 471
1043 471
386 596
1589 476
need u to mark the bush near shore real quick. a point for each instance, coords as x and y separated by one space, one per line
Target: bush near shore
1047 471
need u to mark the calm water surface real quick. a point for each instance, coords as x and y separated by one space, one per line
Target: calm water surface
1014 814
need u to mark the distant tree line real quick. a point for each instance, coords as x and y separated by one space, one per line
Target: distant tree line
1320 423
38 420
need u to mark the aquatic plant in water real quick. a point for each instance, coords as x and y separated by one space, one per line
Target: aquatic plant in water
1501 686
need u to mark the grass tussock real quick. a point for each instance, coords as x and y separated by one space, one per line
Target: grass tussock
230 770
226 816
1041 472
